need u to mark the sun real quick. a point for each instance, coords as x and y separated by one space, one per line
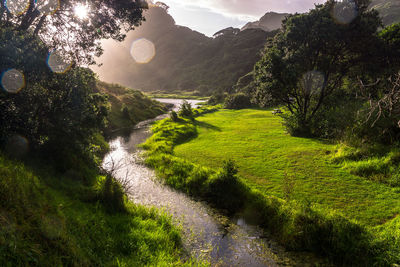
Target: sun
81 11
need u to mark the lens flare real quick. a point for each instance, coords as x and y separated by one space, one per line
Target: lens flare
313 81
17 146
17 7
57 63
13 81
143 51
345 12
48 7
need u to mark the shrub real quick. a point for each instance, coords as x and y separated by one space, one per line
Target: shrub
174 116
217 98
225 189
112 195
125 112
237 101
185 110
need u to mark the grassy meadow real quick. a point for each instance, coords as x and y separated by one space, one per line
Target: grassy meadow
243 161
270 160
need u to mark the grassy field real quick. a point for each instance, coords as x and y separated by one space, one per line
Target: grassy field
278 164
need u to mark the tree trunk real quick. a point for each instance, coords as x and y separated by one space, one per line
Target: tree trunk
39 25
29 17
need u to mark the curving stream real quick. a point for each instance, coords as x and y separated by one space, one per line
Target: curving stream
206 233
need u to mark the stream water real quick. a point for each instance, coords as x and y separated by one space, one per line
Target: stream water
207 234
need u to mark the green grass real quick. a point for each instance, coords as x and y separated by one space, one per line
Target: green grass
297 223
264 153
48 219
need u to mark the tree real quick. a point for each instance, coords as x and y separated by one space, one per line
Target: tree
380 119
56 111
390 37
63 24
309 58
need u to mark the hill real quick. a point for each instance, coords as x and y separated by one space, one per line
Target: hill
388 9
128 106
185 60
269 22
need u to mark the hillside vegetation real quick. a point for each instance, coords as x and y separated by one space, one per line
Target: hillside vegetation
128 107
185 60
389 10
53 219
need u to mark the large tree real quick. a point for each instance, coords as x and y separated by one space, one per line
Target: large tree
313 53
63 24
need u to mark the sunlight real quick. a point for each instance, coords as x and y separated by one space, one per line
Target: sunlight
81 11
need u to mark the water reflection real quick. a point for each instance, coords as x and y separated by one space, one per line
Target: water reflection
208 235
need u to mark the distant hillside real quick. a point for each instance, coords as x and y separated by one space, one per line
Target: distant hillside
269 22
388 9
128 106
185 60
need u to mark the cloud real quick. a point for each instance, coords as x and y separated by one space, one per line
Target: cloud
249 8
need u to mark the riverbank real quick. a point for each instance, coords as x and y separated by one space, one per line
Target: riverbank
53 219
207 233
127 107
299 223
177 95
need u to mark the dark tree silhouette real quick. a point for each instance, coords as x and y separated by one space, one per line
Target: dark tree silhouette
58 25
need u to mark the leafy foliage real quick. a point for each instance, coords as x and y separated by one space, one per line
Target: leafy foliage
310 57
185 110
76 39
237 101
53 111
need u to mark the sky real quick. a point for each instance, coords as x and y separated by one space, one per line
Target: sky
210 16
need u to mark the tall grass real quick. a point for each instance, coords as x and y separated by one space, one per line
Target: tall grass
377 164
47 219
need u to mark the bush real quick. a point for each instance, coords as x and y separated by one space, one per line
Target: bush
112 195
174 116
225 189
237 101
217 98
185 110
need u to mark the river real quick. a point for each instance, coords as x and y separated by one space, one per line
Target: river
207 234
